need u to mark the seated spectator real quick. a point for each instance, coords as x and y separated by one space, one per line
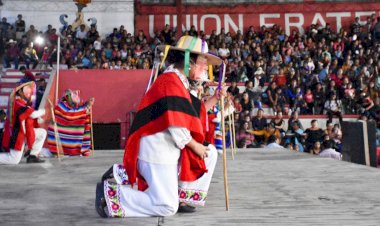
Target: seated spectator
280 79
281 101
12 54
267 132
329 152
30 56
294 119
367 106
81 33
316 148
319 99
294 136
337 137
233 89
269 96
309 99
28 75
273 142
279 123
244 138
237 105
313 134
334 107
246 104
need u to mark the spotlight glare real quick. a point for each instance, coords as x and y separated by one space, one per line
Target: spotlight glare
39 40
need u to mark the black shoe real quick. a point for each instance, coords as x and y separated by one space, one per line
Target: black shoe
108 174
27 154
186 209
100 201
34 159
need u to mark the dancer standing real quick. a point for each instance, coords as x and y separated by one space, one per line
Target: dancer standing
73 122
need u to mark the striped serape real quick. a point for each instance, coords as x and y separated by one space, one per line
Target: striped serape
74 129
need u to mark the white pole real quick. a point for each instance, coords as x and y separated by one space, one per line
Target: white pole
58 63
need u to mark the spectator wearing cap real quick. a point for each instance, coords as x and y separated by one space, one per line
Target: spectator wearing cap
12 54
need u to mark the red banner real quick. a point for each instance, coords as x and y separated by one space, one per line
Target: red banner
152 18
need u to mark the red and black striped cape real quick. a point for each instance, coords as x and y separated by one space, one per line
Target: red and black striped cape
14 135
167 103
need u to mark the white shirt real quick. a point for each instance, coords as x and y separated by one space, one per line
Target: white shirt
97 45
223 52
274 145
331 153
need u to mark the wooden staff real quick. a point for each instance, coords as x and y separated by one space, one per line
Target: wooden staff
56 134
224 153
92 133
233 132
231 142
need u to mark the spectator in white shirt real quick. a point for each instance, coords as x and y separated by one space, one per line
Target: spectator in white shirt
81 32
274 142
329 152
223 51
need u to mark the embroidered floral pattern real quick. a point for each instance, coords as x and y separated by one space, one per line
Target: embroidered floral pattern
120 174
196 197
113 200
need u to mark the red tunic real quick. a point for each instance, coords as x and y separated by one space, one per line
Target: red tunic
167 103
21 127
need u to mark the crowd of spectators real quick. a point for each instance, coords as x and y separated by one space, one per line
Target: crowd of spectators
318 72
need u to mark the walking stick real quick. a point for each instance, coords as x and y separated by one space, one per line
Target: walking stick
231 142
92 133
224 153
233 132
56 134
221 79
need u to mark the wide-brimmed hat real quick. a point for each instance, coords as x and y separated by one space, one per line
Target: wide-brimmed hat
22 85
11 41
13 96
193 45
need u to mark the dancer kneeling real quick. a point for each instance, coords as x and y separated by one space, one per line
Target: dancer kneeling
20 125
165 150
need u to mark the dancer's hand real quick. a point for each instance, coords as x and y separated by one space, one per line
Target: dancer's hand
91 101
198 148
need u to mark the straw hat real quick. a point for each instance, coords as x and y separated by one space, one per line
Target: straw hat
13 96
22 85
193 45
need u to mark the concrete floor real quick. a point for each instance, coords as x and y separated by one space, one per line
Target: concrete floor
266 187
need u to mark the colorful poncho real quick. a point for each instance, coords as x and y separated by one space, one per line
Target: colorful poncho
74 129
